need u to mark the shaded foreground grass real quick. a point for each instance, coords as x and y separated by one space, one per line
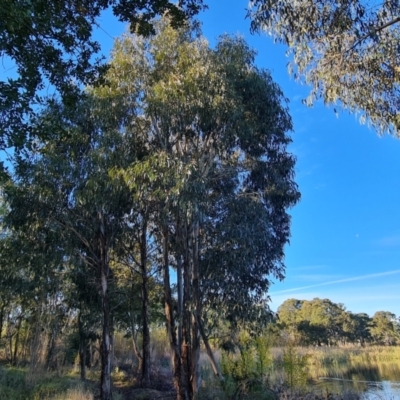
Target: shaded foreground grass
17 384
21 384
344 363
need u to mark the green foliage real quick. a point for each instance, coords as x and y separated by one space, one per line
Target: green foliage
383 328
52 43
12 384
180 150
246 370
346 50
295 366
321 321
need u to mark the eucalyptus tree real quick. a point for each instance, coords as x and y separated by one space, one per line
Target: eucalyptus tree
347 50
124 87
215 173
199 137
66 182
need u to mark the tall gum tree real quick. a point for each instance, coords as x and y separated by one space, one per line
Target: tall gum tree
215 127
64 182
199 136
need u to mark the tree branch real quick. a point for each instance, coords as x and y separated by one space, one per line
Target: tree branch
372 32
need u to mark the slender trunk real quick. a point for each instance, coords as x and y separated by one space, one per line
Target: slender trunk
138 355
179 277
105 390
180 299
16 343
82 348
24 347
181 392
90 360
195 378
35 357
135 346
213 362
106 341
145 308
9 335
82 362
187 318
52 343
1 319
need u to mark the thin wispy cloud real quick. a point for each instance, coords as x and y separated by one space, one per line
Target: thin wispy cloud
318 267
390 241
314 277
352 279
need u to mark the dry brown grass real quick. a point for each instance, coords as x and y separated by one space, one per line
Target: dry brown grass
77 393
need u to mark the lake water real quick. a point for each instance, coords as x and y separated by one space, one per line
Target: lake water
384 390
373 372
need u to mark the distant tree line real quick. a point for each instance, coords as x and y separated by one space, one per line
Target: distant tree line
322 322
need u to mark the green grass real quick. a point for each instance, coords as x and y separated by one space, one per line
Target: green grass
13 385
21 384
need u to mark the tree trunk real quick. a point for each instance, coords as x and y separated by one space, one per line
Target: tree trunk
214 364
135 346
16 343
36 349
145 308
180 299
187 319
82 362
105 390
177 363
9 341
52 343
1 319
91 351
25 347
82 348
179 279
195 357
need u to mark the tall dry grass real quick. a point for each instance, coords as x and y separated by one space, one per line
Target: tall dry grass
77 393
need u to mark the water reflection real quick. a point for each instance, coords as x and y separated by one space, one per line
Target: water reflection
383 390
377 381
373 372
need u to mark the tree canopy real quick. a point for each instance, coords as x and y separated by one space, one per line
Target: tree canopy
347 50
176 160
321 321
51 44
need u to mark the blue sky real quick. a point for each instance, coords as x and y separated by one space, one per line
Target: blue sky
345 242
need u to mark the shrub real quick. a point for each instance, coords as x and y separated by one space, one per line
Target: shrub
295 367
